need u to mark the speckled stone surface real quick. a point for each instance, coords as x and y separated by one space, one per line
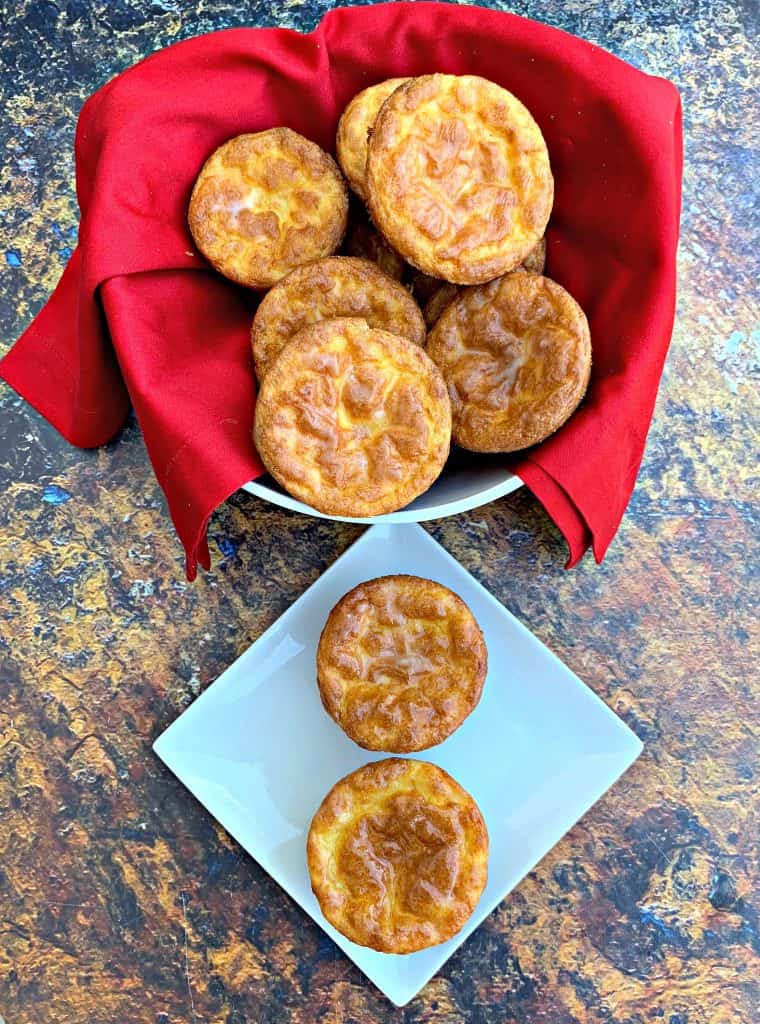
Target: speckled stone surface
121 901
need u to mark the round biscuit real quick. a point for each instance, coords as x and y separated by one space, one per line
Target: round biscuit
338 286
458 177
265 203
354 129
352 420
398 855
516 357
401 663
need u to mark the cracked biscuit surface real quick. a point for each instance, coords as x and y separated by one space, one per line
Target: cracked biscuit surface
265 203
458 177
352 420
401 663
339 286
398 855
354 129
516 357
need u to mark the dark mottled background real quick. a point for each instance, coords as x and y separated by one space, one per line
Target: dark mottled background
121 902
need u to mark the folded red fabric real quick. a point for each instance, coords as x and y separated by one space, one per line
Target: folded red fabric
138 318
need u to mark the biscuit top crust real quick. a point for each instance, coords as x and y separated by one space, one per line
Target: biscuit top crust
353 420
398 855
458 177
265 203
516 356
354 127
401 663
338 286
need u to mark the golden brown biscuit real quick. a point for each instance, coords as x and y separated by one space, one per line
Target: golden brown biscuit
516 356
400 663
352 420
365 241
398 855
354 128
458 177
339 286
265 203
535 261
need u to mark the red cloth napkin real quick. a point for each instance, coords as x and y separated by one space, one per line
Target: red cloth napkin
139 319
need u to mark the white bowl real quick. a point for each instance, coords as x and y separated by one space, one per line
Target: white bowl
467 481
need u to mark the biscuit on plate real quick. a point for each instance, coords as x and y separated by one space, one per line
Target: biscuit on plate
354 128
265 203
398 855
364 240
516 356
458 177
338 286
400 663
352 420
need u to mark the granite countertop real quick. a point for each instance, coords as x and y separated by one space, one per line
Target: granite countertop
120 898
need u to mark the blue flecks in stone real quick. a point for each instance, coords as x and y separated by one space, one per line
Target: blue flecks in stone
65 253
226 546
648 916
55 495
13 258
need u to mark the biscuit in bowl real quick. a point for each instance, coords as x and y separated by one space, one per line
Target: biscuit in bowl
354 129
516 357
352 420
338 286
458 177
266 202
398 856
401 663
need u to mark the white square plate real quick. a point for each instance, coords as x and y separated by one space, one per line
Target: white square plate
258 750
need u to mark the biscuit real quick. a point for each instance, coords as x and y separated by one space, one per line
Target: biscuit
458 177
352 420
401 663
398 856
516 356
354 128
339 286
365 241
265 203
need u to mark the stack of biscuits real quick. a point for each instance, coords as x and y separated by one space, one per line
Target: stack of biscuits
398 851
434 324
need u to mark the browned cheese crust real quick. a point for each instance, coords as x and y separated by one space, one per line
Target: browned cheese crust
339 286
265 203
516 356
352 420
458 177
400 664
354 128
398 856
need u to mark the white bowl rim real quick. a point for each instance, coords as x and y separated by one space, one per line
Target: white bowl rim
441 510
